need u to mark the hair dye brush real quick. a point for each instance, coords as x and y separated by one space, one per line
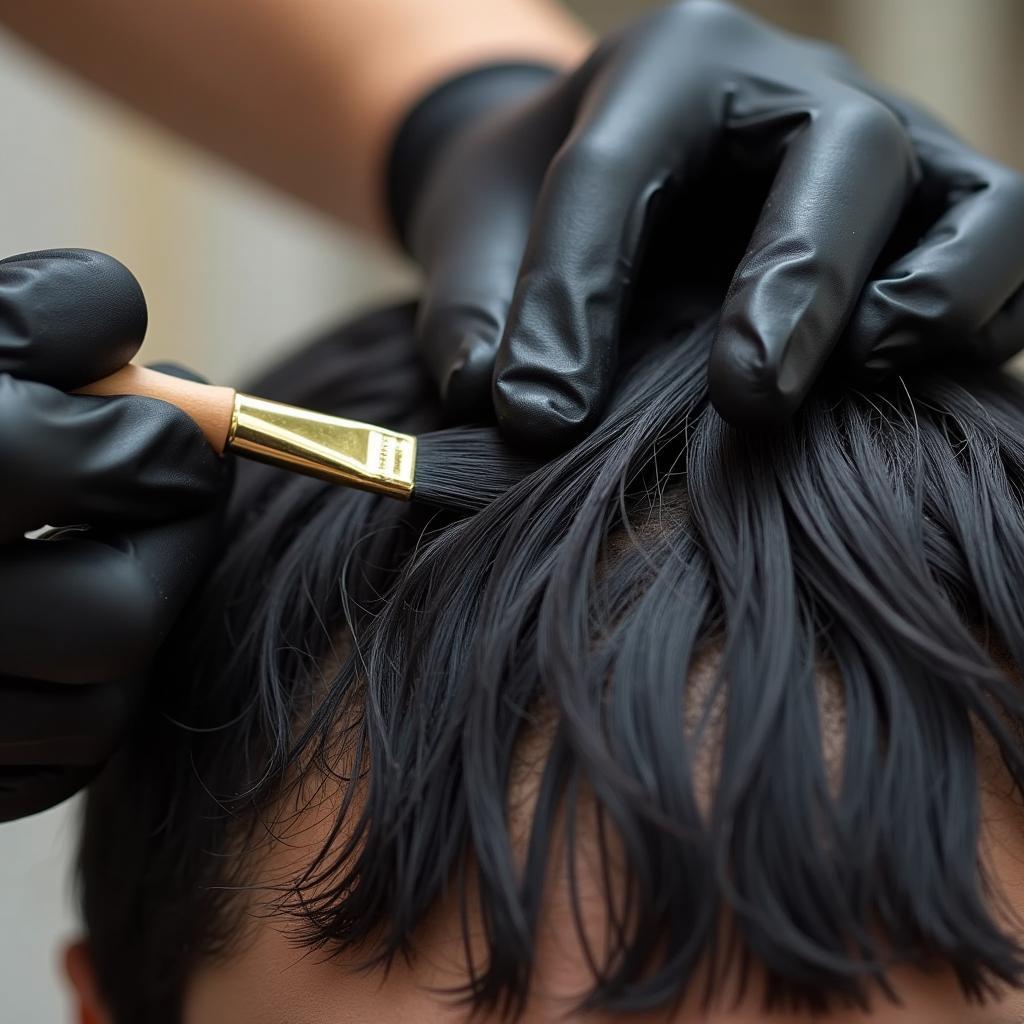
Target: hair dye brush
445 468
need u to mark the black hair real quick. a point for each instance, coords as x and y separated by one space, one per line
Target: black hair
879 537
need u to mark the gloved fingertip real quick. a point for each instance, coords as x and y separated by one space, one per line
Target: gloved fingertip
871 352
882 362
872 373
542 417
466 383
747 388
68 316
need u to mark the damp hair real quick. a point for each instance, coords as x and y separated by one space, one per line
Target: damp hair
880 534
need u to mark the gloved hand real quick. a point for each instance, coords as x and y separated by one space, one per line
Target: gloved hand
529 199
81 614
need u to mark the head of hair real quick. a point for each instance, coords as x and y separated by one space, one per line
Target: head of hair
878 539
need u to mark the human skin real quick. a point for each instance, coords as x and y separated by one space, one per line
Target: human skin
271 978
306 94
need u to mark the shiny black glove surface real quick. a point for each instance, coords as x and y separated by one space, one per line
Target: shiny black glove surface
135 487
877 234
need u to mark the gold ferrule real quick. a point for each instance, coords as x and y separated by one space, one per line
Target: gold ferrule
341 451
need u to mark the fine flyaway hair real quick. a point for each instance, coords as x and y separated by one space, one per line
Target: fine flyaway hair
403 653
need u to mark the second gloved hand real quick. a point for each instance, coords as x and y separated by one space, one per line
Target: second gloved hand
529 199
135 489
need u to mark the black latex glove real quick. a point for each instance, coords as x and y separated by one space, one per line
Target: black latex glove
528 199
82 614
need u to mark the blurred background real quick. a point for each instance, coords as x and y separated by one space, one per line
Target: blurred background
235 274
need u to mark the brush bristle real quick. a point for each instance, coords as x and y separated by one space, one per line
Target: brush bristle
466 468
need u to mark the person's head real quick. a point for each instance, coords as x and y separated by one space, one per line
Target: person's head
689 721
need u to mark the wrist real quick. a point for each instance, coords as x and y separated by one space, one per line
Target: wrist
440 115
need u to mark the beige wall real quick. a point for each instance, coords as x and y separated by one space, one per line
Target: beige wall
232 271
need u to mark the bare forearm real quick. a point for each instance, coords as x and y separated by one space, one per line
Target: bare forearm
306 94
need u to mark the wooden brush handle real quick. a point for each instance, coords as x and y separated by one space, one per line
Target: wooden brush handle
210 406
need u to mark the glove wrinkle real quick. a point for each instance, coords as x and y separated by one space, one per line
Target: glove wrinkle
72 458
